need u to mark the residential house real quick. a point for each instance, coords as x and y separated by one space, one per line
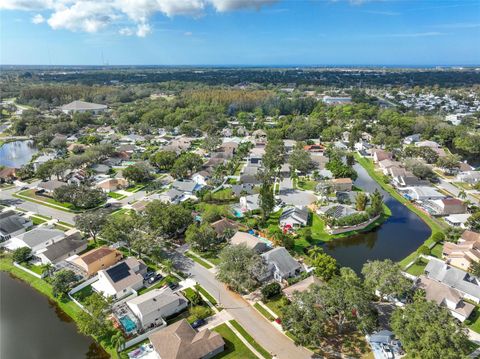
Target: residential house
255 156
77 177
446 297
188 187
404 178
201 177
409 140
171 196
281 265
154 306
250 202
223 225
458 220
69 246
121 279
471 177
446 206
319 160
463 253
36 239
8 174
82 106
40 160
246 188
249 175
180 341
112 184
466 284
97 259
424 193
336 211
12 224
301 286
50 186
250 241
100 168
427 143
132 138
294 217
380 155
341 184
387 164
329 100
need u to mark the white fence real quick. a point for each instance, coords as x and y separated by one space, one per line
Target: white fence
352 228
40 276
143 336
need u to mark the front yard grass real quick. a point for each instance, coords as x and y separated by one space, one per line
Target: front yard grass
276 304
198 260
306 184
30 195
234 348
207 295
135 188
473 322
211 256
264 312
115 195
36 221
437 250
250 340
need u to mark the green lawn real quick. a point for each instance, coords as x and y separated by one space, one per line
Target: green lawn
473 322
211 256
34 268
276 304
418 268
198 260
264 312
306 184
30 195
83 294
115 195
36 221
225 194
437 250
250 340
234 348
135 188
206 294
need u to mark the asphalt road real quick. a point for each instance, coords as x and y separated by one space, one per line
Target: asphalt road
254 323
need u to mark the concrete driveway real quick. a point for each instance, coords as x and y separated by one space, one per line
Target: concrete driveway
297 197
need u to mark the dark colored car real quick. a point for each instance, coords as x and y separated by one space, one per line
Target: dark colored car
148 275
155 278
172 285
198 323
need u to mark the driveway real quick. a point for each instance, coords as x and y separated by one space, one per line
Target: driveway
254 323
296 197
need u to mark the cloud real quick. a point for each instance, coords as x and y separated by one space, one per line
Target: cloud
188 33
95 15
459 25
385 13
38 19
415 34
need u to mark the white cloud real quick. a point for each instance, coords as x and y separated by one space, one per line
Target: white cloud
188 33
38 19
94 15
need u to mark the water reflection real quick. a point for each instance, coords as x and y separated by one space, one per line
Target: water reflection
17 153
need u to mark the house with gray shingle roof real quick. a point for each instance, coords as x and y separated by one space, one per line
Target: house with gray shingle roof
72 244
294 217
12 224
281 265
36 239
82 106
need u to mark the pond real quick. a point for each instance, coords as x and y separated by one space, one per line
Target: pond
17 153
396 238
34 327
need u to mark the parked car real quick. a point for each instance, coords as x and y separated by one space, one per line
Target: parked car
155 278
198 323
148 275
173 285
387 352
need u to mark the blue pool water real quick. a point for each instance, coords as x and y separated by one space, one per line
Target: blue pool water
128 324
237 213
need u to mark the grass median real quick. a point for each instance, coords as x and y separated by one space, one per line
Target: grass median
250 340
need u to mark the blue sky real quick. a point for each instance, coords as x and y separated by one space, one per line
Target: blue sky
240 32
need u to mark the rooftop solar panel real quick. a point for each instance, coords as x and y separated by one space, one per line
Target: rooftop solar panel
118 272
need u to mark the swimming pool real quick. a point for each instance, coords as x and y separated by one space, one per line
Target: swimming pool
237 213
128 324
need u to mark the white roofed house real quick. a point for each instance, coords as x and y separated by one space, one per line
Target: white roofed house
82 106
281 265
154 306
188 187
471 177
121 279
36 239
424 193
250 202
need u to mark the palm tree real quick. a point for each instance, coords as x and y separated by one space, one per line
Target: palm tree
462 194
48 268
118 341
168 266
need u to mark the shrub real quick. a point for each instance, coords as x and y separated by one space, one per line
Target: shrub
22 254
423 250
270 290
199 312
438 237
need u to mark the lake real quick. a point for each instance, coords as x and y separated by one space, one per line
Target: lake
33 327
396 238
17 153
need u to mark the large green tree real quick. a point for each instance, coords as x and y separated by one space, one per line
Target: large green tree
428 331
385 277
167 219
91 222
202 237
163 160
62 281
240 267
